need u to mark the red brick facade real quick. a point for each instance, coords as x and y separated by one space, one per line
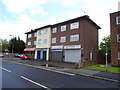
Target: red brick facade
30 49
115 45
88 37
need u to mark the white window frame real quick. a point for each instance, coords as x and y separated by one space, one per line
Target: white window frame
73 37
45 31
53 40
118 55
117 22
45 41
29 35
39 33
29 43
74 25
63 39
35 34
39 41
54 30
34 42
63 28
118 37
91 56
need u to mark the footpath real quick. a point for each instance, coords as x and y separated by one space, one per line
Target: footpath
68 68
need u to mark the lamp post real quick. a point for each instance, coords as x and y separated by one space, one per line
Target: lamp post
106 53
13 43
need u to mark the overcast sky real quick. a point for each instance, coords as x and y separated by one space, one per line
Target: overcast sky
20 16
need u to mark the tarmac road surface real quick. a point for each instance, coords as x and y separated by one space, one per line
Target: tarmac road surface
21 76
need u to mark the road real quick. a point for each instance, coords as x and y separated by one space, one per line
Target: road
22 76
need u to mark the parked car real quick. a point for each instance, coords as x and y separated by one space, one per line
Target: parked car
1 55
17 55
24 56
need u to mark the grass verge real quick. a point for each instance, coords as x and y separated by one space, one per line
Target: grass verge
109 69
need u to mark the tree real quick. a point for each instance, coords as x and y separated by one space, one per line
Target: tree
17 45
5 45
105 45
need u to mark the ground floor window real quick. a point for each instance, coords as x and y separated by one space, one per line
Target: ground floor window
91 56
119 55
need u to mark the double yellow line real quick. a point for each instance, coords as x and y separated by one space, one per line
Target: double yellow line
71 74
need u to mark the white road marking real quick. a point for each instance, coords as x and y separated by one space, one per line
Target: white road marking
5 69
35 83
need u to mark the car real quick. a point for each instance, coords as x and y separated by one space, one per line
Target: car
1 55
24 56
17 55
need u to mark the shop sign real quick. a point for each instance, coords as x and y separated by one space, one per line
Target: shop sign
57 47
72 47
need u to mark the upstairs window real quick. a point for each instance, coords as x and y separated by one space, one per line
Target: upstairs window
53 40
45 41
39 41
54 30
29 43
118 37
63 39
34 42
63 28
45 31
74 37
74 25
39 33
29 35
118 20
35 34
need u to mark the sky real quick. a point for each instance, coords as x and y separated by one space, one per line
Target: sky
20 16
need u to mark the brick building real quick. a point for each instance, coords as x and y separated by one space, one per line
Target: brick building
75 41
31 43
115 38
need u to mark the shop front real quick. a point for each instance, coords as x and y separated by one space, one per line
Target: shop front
42 54
72 53
57 53
30 52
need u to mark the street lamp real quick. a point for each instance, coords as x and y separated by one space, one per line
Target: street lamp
13 43
106 53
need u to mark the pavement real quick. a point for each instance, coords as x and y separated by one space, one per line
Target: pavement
69 68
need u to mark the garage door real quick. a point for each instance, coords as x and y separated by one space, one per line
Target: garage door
72 56
56 55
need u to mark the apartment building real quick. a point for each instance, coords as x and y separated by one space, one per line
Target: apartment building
31 43
43 42
75 41
115 38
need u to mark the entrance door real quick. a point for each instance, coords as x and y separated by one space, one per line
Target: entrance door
44 55
72 56
38 54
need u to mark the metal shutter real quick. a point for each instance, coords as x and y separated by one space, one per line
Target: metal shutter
57 55
72 56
